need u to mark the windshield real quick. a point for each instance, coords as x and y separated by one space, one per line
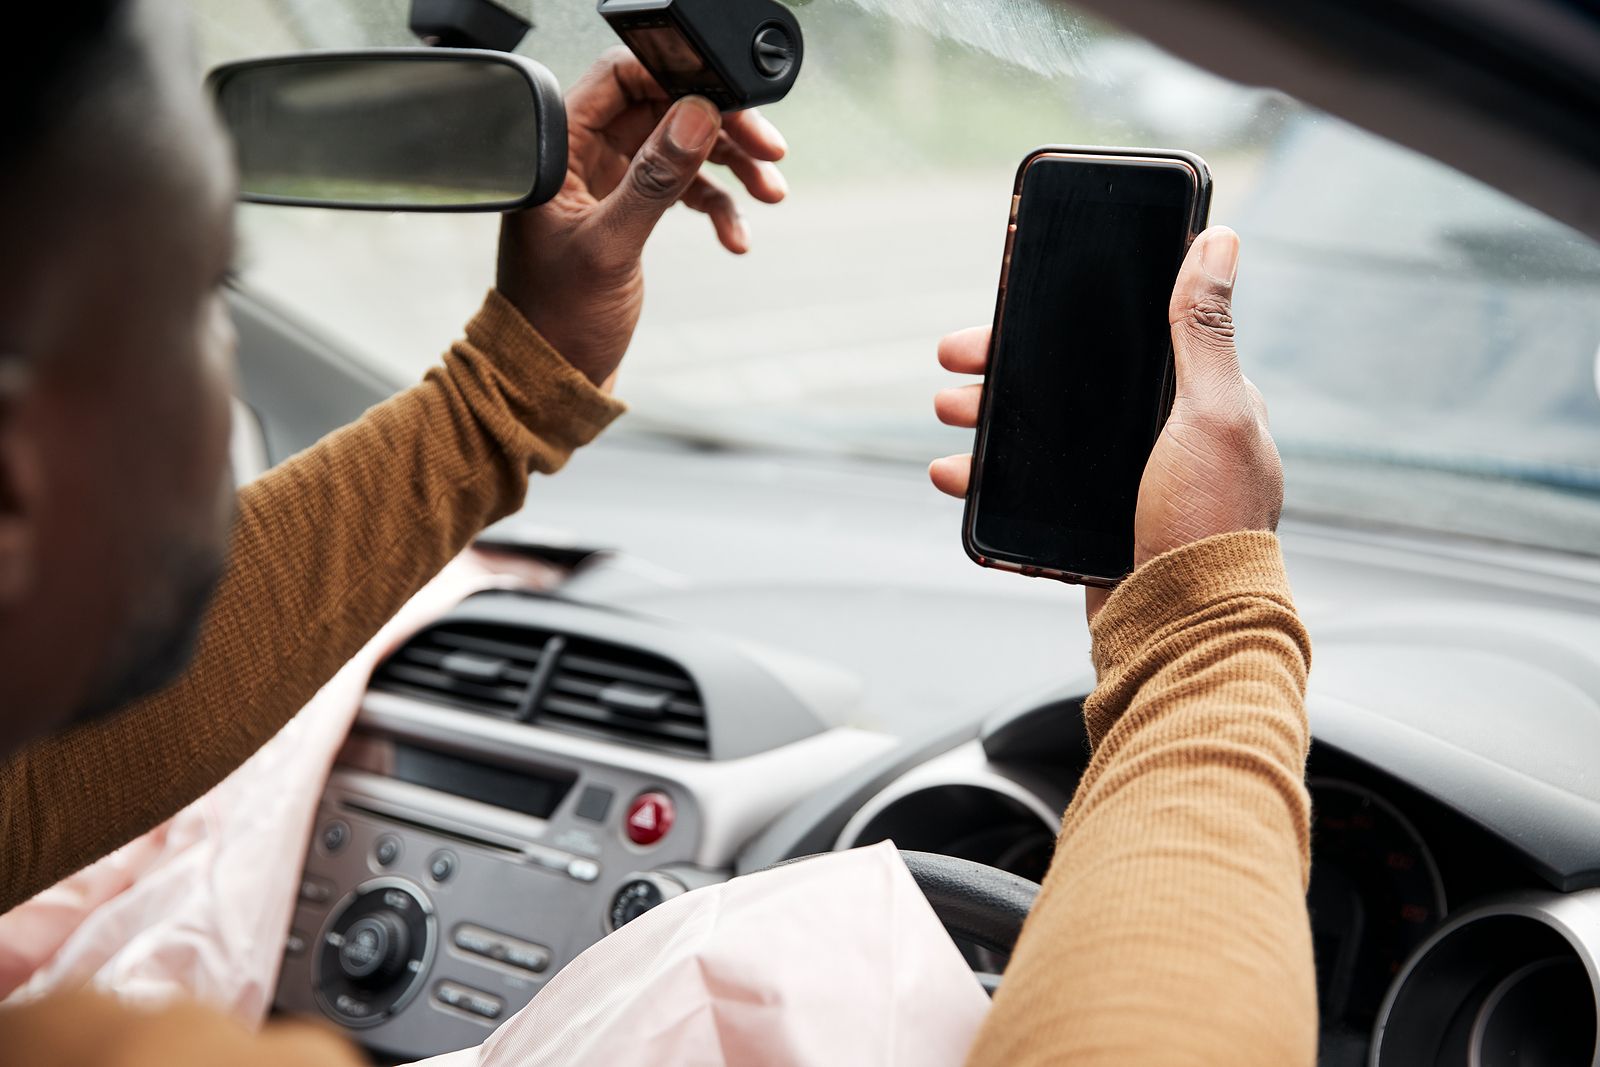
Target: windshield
1427 345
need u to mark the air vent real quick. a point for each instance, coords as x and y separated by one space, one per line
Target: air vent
589 687
625 694
474 666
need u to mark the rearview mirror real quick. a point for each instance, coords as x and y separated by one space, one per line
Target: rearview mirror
397 129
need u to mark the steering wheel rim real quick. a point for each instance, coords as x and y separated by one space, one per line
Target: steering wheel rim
976 903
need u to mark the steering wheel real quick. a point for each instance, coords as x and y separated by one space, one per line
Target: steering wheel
977 903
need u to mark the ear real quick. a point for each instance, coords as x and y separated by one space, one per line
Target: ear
19 479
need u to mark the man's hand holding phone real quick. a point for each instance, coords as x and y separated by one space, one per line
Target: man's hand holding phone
1214 468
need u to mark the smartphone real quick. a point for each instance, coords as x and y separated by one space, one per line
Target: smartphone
1080 377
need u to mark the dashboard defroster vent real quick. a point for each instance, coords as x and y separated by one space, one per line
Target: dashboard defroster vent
570 683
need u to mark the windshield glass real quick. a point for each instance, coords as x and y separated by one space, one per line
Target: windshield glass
1426 344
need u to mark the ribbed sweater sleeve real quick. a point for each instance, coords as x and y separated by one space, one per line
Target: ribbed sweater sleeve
1172 927
326 547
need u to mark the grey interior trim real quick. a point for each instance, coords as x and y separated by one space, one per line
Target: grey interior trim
752 703
968 765
813 825
1047 729
818 823
735 797
302 384
1510 99
1575 916
1553 829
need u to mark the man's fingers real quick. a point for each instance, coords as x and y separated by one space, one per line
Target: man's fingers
662 172
752 132
761 178
951 474
1201 314
958 406
616 82
965 351
706 196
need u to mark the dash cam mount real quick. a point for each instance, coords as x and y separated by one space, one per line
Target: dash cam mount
467 24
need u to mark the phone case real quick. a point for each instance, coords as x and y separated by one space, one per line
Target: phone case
1199 213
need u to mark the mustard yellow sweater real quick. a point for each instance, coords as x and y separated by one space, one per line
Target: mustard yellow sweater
1172 927
327 547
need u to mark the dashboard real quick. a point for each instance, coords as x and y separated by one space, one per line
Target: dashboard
532 771
528 774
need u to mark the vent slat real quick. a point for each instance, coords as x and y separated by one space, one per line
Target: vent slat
529 654
596 715
611 669
475 667
578 687
449 683
459 701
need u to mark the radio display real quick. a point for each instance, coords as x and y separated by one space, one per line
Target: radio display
529 792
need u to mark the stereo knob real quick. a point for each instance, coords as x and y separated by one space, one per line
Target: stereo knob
375 949
639 894
371 957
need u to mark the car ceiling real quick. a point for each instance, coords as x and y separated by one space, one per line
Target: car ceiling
1505 90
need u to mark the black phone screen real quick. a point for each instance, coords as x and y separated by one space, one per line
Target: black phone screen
1080 368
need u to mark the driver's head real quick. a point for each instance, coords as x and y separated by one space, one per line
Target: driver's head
115 359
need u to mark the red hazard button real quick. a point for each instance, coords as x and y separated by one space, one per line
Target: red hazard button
650 816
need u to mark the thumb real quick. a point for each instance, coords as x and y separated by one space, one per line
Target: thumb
1201 314
660 173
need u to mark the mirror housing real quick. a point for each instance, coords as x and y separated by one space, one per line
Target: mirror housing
395 129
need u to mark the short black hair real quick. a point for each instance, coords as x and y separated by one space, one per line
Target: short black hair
65 51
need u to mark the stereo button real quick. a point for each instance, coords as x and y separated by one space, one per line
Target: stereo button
442 865
502 949
527 957
353 1007
594 803
476 941
464 998
334 835
315 891
387 850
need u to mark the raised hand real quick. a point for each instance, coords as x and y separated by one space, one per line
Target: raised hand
572 266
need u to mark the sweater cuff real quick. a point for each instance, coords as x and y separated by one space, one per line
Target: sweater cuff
572 409
1180 584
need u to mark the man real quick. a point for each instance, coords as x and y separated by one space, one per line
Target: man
115 500
1171 927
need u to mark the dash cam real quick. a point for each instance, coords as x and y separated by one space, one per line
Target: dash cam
736 53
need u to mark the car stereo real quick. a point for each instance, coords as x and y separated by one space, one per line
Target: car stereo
447 880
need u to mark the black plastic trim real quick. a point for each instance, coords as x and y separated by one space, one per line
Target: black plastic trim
1506 92
1555 832
815 824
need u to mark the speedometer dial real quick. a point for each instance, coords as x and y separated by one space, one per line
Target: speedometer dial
1375 895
